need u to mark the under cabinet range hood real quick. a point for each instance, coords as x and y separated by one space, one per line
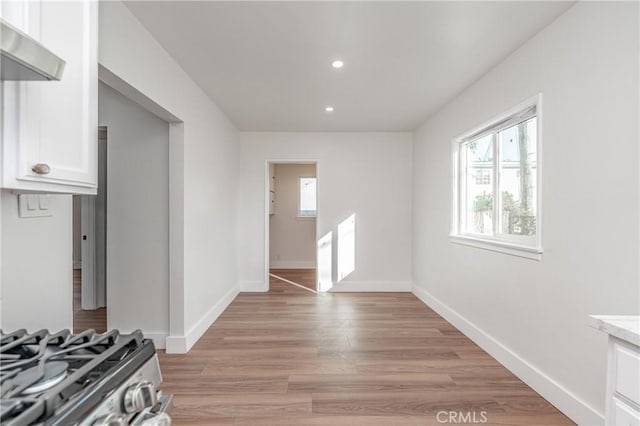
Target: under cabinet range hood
25 59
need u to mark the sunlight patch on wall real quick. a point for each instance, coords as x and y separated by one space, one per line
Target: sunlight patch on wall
346 247
324 262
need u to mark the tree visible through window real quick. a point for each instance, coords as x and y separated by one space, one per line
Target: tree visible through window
307 197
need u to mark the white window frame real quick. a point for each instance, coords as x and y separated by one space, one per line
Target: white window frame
299 215
530 248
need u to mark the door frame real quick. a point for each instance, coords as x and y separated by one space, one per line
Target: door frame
175 341
87 272
93 292
267 201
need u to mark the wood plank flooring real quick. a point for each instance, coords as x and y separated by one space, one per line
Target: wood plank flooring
304 277
82 320
289 357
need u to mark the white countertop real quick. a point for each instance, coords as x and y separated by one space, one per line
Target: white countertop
625 327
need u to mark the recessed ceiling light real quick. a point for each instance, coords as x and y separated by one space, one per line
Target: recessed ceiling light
337 63
328 109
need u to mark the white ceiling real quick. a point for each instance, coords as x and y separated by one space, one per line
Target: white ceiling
268 64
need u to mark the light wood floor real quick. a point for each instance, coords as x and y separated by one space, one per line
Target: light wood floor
304 277
289 357
82 320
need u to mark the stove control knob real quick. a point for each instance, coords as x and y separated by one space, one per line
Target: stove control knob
140 396
111 420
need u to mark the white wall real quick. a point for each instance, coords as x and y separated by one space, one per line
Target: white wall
368 174
137 216
585 64
37 281
292 242
206 281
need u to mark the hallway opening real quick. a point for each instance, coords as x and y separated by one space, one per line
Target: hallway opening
293 212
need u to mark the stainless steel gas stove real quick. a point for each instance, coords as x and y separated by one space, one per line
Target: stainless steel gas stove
83 379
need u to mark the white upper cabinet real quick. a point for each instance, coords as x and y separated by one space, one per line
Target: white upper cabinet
50 128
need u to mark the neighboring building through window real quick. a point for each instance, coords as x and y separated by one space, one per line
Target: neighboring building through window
307 197
496 182
483 177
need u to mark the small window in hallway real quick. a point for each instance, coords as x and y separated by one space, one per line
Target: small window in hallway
307 197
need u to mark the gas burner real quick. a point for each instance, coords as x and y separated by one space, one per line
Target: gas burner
34 380
62 379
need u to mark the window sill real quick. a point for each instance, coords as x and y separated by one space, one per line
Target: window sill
306 217
498 246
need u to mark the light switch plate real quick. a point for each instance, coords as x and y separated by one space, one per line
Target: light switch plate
34 205
43 202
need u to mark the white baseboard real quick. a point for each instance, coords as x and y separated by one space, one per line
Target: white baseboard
292 264
182 344
372 286
254 286
176 345
159 339
562 398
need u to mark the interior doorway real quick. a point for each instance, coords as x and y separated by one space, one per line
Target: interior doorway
90 251
292 224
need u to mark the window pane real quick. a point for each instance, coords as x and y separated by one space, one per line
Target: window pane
307 196
477 187
518 179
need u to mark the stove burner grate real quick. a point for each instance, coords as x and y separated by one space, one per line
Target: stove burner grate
43 375
35 380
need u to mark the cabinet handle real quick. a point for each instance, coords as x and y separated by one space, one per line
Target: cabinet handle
41 169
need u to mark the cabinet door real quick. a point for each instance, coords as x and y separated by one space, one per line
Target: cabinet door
25 16
624 415
627 370
54 123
